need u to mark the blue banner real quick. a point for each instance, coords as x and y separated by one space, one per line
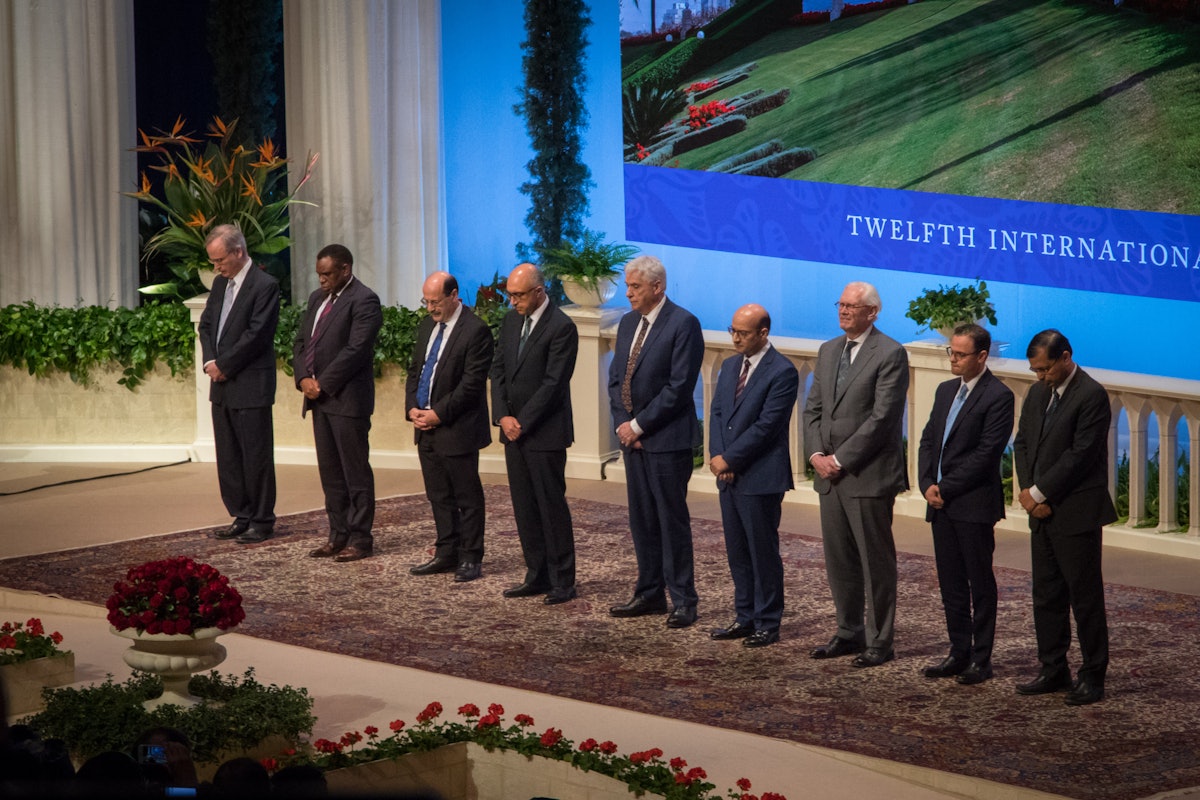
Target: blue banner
1043 244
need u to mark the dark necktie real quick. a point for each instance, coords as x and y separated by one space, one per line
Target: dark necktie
1050 411
427 370
627 384
741 384
310 350
843 366
525 334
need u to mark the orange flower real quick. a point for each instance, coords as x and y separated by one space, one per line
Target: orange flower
249 189
203 169
197 219
266 155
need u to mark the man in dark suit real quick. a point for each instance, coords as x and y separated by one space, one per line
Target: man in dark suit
853 429
1061 459
333 363
651 382
237 344
446 401
531 404
959 475
748 447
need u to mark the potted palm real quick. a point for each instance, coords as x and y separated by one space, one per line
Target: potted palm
588 268
945 308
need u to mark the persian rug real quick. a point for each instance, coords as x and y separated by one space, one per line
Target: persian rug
1139 741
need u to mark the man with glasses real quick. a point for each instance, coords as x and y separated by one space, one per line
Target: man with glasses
446 401
959 475
748 447
531 404
237 345
853 437
1061 459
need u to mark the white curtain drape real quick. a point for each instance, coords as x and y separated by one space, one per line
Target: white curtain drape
362 84
66 125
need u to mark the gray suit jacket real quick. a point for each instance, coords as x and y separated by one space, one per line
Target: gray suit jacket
863 425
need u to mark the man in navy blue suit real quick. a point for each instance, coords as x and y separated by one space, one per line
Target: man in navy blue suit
748 447
959 475
651 384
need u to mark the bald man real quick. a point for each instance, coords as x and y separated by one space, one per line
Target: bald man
531 404
750 457
446 401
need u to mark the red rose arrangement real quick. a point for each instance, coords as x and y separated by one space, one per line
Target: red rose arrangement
175 595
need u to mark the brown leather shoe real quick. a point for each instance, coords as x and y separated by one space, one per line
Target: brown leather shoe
352 553
327 550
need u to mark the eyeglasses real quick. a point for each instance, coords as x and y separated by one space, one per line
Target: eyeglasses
840 306
427 303
221 260
523 295
1040 371
955 355
735 333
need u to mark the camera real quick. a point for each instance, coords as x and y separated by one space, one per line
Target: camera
152 754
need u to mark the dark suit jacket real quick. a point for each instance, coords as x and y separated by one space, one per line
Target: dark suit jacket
664 378
459 391
1068 461
535 386
863 425
971 485
246 350
344 351
751 433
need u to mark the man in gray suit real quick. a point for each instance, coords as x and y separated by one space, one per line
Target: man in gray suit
853 429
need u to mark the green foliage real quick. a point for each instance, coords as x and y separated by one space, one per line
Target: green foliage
285 335
20 643
491 303
77 340
588 259
1151 517
234 715
397 337
646 108
947 307
670 68
554 111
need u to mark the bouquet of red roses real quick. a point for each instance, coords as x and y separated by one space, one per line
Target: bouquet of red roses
175 595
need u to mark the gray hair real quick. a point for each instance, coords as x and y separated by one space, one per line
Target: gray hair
648 267
230 235
870 295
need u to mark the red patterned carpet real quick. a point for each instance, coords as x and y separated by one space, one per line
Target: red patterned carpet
1140 741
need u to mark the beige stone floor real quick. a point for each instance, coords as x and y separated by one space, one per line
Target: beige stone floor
352 693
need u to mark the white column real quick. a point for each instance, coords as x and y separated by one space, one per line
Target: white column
204 447
595 442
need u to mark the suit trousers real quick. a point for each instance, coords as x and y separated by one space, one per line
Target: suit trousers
751 524
963 552
661 527
1067 578
456 497
860 562
245 445
539 496
343 460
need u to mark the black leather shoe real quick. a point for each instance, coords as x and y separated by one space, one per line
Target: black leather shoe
1046 683
837 647
681 617
233 531
975 674
559 594
762 638
738 630
948 668
639 607
873 657
526 589
254 535
468 571
434 566
1085 693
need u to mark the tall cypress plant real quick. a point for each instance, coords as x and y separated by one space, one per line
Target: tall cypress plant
555 114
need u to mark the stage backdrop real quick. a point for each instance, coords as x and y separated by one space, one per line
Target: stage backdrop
1050 148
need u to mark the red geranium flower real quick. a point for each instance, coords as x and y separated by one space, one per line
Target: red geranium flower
524 720
397 725
588 745
497 709
431 712
608 748
469 710
743 784
551 737
678 763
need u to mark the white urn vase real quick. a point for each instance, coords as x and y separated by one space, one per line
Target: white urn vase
174 658
586 295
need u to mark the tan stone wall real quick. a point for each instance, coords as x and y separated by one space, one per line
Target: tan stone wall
389 428
53 410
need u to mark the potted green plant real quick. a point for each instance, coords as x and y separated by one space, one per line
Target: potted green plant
212 184
588 268
945 308
30 660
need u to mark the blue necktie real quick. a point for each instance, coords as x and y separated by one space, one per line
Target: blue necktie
427 370
955 407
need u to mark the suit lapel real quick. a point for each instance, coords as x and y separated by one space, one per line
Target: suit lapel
652 335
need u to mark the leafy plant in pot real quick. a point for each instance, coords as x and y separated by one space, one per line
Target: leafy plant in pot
945 308
588 268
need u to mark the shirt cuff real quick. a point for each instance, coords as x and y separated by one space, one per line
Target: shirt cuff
1036 494
633 423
